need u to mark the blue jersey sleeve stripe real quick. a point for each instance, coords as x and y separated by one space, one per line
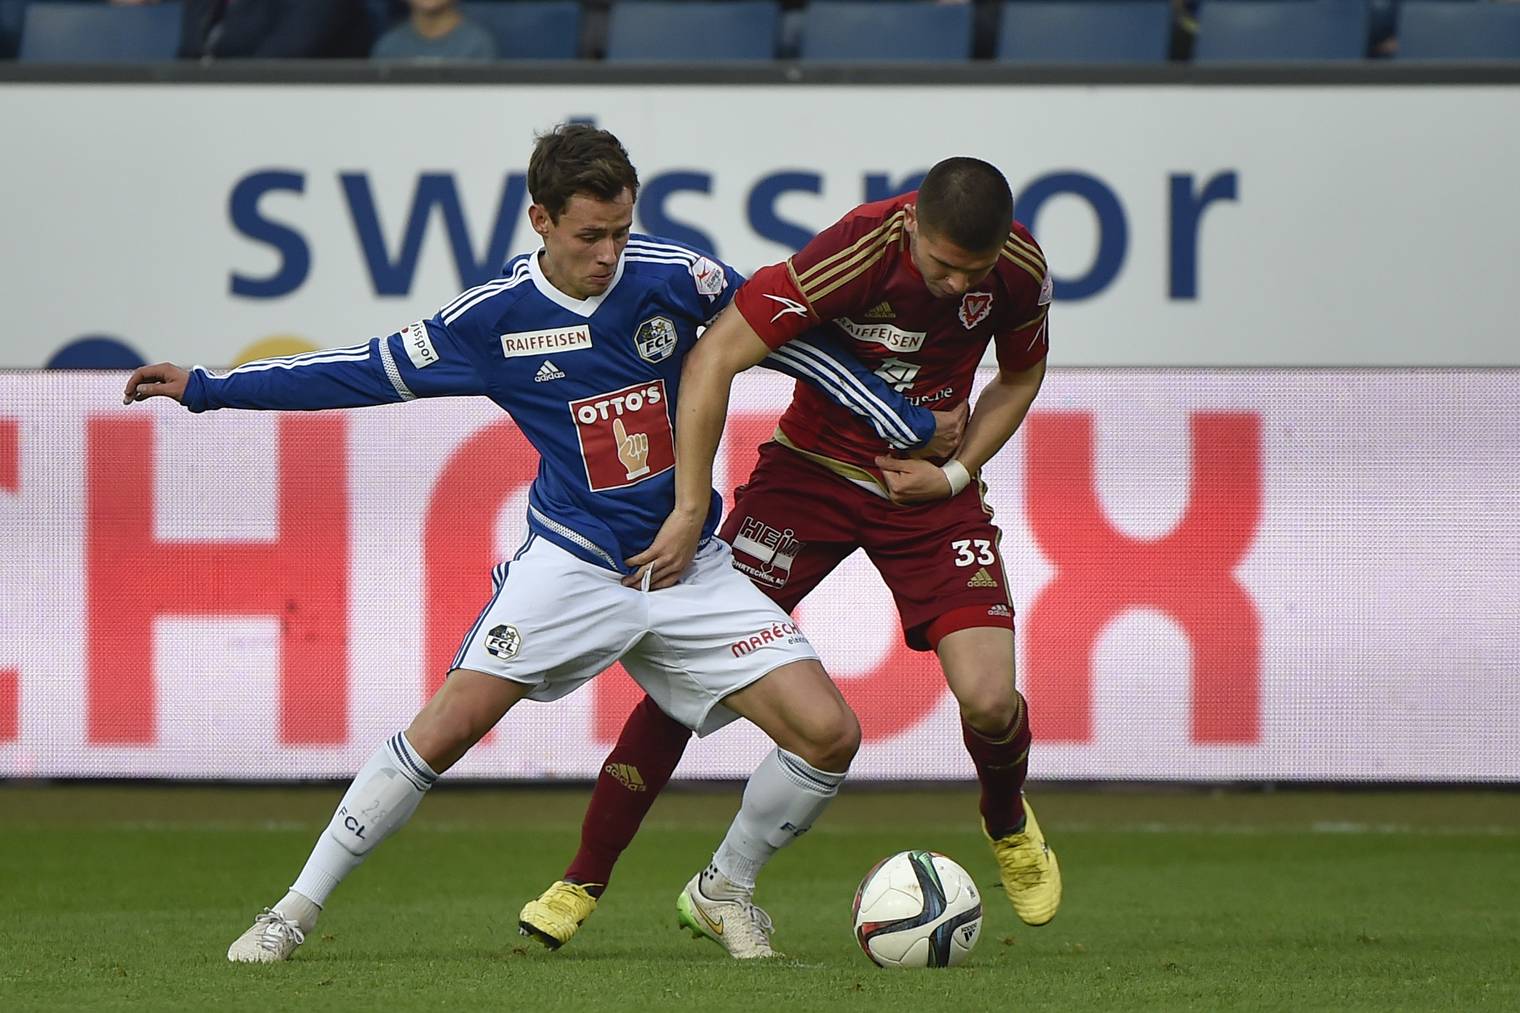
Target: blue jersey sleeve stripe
847 390
312 359
640 258
668 248
298 356
474 295
519 270
478 295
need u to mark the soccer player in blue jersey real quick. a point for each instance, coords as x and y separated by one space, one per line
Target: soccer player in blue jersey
582 343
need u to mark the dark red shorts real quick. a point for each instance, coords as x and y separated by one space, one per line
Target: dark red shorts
794 521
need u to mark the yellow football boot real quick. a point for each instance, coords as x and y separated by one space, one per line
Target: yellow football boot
557 914
1029 871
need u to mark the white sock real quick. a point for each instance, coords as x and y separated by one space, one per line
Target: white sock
784 796
382 797
302 910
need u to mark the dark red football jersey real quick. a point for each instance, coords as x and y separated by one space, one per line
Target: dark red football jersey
858 277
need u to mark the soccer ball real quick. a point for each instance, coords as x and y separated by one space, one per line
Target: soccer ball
917 909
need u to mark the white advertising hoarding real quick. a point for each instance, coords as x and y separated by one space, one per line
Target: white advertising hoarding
1185 226
1226 574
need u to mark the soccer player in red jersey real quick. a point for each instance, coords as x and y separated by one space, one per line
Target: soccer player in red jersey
918 285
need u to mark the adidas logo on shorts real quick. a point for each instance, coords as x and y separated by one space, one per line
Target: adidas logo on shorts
982 579
548 372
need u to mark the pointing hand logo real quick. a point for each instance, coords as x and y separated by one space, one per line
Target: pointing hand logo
633 449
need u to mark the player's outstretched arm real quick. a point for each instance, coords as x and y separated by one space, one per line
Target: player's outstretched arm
162 379
422 360
729 347
823 362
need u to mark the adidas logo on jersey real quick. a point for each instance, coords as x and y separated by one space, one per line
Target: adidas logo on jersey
627 775
548 372
881 311
982 579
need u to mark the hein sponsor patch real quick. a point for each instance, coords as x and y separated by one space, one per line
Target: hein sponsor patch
974 308
625 435
561 339
776 633
888 336
419 347
655 339
770 552
503 642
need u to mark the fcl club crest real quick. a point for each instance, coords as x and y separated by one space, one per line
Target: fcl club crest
974 308
656 339
504 642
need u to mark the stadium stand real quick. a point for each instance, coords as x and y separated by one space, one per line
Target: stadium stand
1433 30
1073 31
1276 30
899 30
694 31
98 33
530 29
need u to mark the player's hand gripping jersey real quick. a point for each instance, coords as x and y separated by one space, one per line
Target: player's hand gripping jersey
590 382
858 277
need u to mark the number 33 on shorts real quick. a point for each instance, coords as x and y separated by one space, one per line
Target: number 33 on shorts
973 552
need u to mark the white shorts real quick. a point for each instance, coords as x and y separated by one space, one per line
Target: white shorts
555 621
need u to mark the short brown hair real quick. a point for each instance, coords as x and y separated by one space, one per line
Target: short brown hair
578 158
966 201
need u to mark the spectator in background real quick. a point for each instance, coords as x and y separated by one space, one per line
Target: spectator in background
274 29
436 30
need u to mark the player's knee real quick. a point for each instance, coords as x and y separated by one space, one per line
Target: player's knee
442 735
988 705
834 742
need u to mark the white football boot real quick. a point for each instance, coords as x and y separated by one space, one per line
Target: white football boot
737 925
272 937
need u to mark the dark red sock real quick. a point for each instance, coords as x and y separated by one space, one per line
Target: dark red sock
634 773
1002 762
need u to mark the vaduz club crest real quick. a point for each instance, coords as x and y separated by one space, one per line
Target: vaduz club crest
974 308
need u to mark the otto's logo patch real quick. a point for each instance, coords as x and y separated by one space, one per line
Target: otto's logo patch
561 339
770 552
419 347
656 339
625 435
974 308
503 641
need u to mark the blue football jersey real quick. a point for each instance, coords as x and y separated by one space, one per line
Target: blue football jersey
590 382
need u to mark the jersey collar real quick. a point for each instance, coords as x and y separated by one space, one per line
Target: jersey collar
580 307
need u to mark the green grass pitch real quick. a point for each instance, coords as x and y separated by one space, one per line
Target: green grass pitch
127 897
